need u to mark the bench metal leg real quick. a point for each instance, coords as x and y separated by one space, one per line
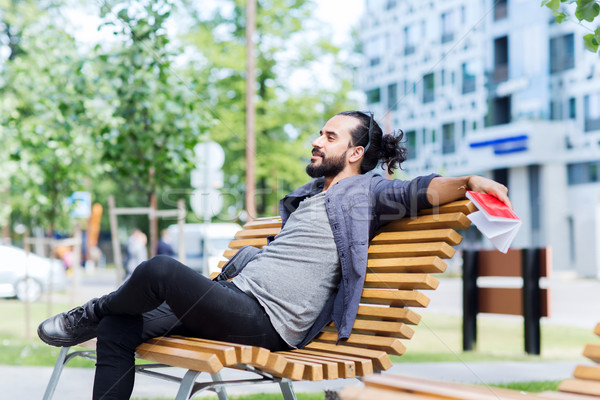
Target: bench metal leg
287 389
220 390
187 385
58 368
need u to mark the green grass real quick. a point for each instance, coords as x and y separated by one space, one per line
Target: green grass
532 387
439 338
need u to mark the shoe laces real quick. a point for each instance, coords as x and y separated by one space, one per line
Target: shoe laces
79 317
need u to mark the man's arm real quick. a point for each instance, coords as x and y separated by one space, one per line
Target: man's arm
443 190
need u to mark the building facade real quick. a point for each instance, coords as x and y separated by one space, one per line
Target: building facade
495 88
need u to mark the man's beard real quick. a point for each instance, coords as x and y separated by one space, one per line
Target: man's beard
330 166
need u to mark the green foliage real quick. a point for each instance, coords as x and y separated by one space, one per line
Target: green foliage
585 10
47 120
156 117
531 387
287 120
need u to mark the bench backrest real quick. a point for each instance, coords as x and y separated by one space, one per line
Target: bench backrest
403 255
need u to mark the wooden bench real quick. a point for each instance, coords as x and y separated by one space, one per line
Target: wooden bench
585 385
402 258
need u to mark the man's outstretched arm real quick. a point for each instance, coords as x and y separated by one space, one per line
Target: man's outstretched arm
443 190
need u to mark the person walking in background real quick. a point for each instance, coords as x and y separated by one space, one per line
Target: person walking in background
136 250
164 244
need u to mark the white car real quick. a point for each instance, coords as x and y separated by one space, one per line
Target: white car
27 277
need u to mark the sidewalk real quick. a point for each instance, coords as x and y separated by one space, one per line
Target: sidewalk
76 383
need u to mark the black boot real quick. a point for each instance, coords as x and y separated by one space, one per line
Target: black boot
72 327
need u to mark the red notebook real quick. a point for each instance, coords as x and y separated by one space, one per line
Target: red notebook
495 220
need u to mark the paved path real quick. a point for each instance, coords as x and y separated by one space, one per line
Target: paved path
76 383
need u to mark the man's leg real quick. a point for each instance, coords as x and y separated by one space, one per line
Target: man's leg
118 336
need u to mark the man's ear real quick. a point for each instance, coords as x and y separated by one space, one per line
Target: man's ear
356 154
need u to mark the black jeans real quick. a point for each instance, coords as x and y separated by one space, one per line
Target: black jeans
164 297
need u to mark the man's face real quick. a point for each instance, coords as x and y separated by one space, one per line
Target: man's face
330 148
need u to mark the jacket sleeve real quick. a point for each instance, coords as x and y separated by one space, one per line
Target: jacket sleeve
396 199
237 263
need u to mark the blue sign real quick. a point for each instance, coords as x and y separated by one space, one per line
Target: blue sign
508 145
82 204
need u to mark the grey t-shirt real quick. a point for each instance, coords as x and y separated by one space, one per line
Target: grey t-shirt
295 275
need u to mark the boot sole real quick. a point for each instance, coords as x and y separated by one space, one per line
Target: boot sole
58 342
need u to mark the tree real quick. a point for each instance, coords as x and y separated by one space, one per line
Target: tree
157 117
287 117
47 118
585 10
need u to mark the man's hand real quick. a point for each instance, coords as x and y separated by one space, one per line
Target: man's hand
443 190
480 184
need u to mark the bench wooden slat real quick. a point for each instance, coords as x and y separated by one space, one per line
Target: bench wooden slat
244 353
256 242
385 328
400 298
380 359
597 329
400 281
361 365
329 368
388 314
293 370
194 360
313 371
449 236
275 364
226 354
460 206
388 344
580 386
588 372
592 351
453 220
268 222
429 264
440 249
257 233
430 389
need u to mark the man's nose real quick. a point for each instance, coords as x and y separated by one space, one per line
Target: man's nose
318 142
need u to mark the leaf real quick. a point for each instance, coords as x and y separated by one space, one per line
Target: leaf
591 42
551 4
560 16
587 10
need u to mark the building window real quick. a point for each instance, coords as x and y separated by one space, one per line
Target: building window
448 26
555 110
500 10
464 128
591 105
411 144
374 61
428 88
498 111
390 4
373 96
562 53
392 96
581 173
572 108
501 59
468 77
448 141
410 40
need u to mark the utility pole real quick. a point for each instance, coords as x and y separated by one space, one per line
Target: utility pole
250 110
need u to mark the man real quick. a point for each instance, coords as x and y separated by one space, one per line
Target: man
282 296
164 244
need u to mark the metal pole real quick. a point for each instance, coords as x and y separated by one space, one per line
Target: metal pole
469 299
115 239
531 300
250 110
27 303
180 224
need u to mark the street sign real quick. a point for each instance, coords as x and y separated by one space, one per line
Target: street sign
207 203
209 155
82 202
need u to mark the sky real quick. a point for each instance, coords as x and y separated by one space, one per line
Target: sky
340 16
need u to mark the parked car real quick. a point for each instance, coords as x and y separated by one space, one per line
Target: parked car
217 236
27 277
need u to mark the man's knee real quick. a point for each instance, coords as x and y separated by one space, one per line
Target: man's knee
158 267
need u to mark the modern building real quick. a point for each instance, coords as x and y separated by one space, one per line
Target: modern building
496 88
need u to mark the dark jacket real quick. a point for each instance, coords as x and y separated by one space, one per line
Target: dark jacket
356 206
